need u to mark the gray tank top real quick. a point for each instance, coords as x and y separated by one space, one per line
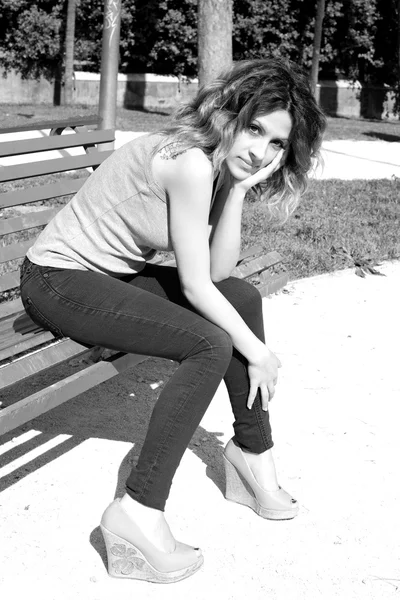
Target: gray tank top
116 222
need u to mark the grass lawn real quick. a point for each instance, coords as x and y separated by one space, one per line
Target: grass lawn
338 223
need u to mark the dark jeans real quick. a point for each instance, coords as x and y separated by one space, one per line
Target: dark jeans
148 314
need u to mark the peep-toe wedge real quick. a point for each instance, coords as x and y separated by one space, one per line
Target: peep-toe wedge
131 555
242 487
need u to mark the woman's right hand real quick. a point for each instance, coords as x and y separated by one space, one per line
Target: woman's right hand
263 375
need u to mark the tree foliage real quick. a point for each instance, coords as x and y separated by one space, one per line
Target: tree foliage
359 38
30 41
353 41
163 37
387 51
264 28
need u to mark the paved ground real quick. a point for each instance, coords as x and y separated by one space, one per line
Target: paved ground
335 419
360 160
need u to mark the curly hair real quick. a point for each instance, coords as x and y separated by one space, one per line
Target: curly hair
229 104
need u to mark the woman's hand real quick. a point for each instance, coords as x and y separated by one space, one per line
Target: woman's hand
261 175
263 375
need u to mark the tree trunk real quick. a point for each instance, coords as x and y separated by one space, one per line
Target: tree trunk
69 53
317 44
214 38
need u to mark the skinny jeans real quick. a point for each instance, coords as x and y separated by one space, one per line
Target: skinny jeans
147 314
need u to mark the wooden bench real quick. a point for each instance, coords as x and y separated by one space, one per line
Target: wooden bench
25 349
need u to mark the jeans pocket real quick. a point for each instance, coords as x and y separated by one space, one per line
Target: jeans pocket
38 317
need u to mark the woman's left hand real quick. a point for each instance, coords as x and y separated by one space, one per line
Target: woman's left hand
260 175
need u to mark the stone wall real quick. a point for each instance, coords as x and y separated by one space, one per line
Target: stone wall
337 98
345 99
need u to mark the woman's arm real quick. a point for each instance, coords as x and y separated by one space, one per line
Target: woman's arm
226 219
188 182
225 235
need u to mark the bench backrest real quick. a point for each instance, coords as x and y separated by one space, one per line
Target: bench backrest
40 178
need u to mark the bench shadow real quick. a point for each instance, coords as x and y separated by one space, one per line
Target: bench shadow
386 137
93 415
62 429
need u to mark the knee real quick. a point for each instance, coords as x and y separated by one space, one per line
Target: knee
216 344
220 344
244 296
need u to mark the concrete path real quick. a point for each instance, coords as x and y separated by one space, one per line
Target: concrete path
359 160
335 418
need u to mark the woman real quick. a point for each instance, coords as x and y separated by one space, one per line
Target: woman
88 277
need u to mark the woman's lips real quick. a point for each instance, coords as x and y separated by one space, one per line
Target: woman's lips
247 164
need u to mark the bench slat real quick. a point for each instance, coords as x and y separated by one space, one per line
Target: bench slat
39 125
58 393
257 265
14 326
36 219
38 360
26 343
56 142
12 307
64 187
9 281
13 251
273 284
55 165
249 252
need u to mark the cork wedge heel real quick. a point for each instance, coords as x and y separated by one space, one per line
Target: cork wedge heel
131 556
241 487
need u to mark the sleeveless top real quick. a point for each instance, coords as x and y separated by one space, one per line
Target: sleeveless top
116 221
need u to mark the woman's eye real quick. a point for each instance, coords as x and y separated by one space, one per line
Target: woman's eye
278 144
254 129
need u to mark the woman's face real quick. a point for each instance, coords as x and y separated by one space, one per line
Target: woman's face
256 146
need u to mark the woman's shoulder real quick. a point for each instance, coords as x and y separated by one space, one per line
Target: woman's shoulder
173 161
173 165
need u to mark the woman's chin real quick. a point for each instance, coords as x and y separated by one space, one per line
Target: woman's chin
240 174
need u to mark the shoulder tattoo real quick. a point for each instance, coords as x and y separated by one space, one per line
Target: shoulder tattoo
171 151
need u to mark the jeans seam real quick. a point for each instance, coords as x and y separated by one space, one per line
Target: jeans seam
260 423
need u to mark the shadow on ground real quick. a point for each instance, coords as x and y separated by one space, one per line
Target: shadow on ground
386 137
118 410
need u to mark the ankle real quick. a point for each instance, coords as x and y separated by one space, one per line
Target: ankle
263 468
137 510
151 522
